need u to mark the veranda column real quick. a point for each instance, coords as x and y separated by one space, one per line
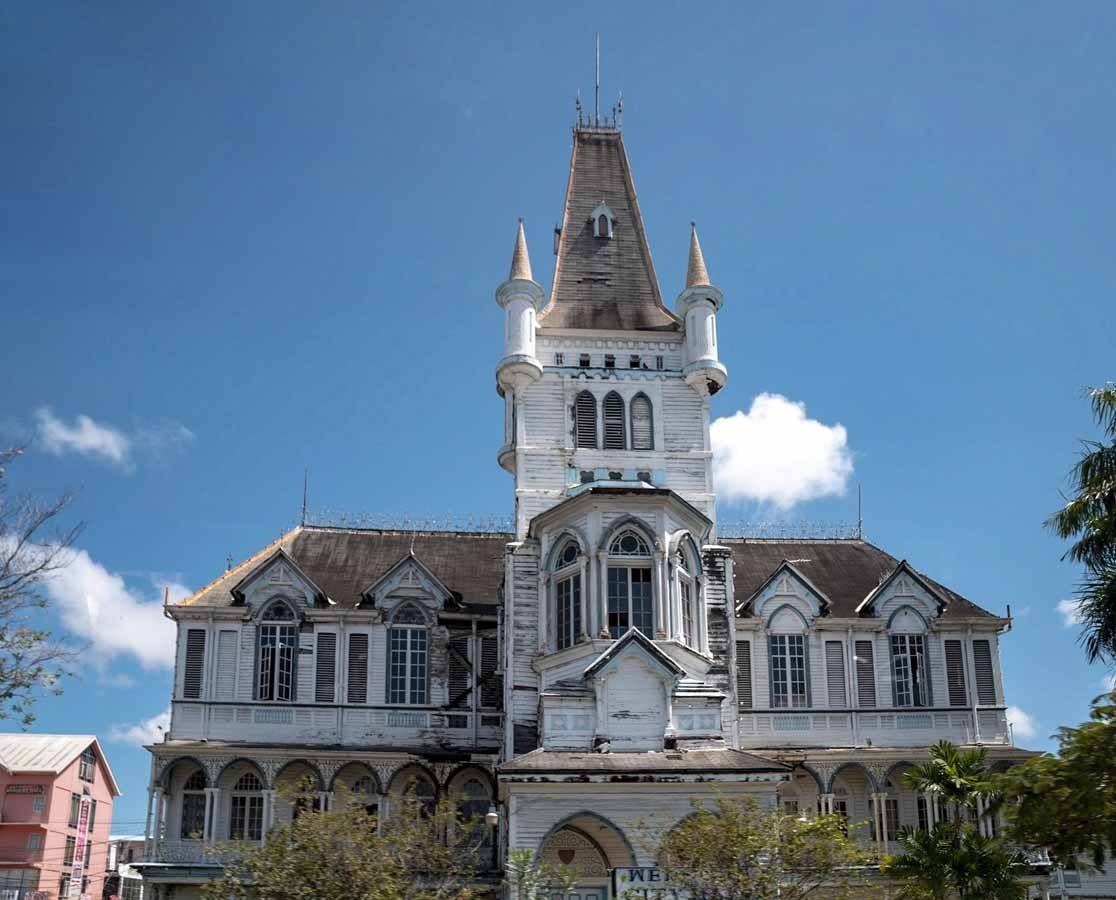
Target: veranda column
268 812
602 600
210 816
583 582
877 821
325 801
883 823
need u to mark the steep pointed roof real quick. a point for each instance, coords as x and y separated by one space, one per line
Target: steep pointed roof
521 262
696 273
604 283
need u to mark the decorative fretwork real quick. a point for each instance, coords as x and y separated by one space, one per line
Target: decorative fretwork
568 847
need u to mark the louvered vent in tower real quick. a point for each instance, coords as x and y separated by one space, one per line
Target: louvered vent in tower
613 422
641 423
585 420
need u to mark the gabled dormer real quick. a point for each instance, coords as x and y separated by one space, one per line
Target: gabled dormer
787 586
278 578
409 580
901 595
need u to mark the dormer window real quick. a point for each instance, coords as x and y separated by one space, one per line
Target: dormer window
276 651
603 219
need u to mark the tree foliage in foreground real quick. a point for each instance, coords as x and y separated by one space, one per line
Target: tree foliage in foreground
1089 518
734 849
1066 804
30 553
953 859
340 854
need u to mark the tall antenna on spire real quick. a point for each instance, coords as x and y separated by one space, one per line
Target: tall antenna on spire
305 492
597 92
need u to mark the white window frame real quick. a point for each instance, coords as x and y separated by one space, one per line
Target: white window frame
567 579
273 636
910 671
780 657
253 809
416 658
627 562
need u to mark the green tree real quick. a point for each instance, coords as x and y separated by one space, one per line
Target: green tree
414 854
1089 518
1066 804
953 859
735 849
532 877
31 660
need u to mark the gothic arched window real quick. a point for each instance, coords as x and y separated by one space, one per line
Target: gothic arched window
585 421
630 598
689 593
277 646
193 807
407 656
613 422
642 438
567 596
246 809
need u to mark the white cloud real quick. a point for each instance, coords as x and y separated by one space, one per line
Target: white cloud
147 731
98 606
1024 725
84 437
775 454
1070 611
98 440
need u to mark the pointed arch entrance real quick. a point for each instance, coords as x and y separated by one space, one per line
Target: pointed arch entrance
593 846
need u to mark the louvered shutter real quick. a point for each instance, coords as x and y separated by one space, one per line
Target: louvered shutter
641 423
835 673
982 670
325 673
744 674
460 672
865 674
491 686
955 673
613 422
358 668
226 666
195 663
585 420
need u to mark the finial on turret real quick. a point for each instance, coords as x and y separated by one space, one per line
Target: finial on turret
696 273
521 262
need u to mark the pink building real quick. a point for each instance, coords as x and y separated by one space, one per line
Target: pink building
54 788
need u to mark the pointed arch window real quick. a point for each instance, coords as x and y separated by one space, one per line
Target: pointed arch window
642 438
585 420
630 599
193 806
567 596
246 809
613 422
689 593
408 644
277 649
602 220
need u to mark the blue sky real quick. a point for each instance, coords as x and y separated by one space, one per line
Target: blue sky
248 238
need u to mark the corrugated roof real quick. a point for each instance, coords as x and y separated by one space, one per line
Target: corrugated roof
21 752
846 571
344 562
604 283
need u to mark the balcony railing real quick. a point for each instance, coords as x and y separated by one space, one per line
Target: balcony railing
20 855
190 853
318 724
883 727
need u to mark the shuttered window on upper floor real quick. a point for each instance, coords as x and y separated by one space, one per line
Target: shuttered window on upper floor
195 664
225 687
955 673
744 674
325 669
865 674
613 422
460 673
585 420
491 684
835 673
358 668
982 672
641 423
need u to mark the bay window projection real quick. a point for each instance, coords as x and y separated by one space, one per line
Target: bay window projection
278 646
246 809
407 657
788 671
910 677
630 601
567 597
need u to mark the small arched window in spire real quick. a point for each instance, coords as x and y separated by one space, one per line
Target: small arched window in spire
641 423
613 422
602 220
585 421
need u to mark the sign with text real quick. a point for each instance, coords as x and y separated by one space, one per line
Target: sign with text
77 873
644 883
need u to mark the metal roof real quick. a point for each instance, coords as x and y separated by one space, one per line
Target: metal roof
20 752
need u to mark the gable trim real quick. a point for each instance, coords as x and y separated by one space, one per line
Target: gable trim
865 606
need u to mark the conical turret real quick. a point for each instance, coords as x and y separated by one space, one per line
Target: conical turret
696 273
697 305
521 261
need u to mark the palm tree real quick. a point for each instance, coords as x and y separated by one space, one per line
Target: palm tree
952 778
1090 516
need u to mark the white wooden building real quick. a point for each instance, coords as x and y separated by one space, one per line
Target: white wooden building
608 659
